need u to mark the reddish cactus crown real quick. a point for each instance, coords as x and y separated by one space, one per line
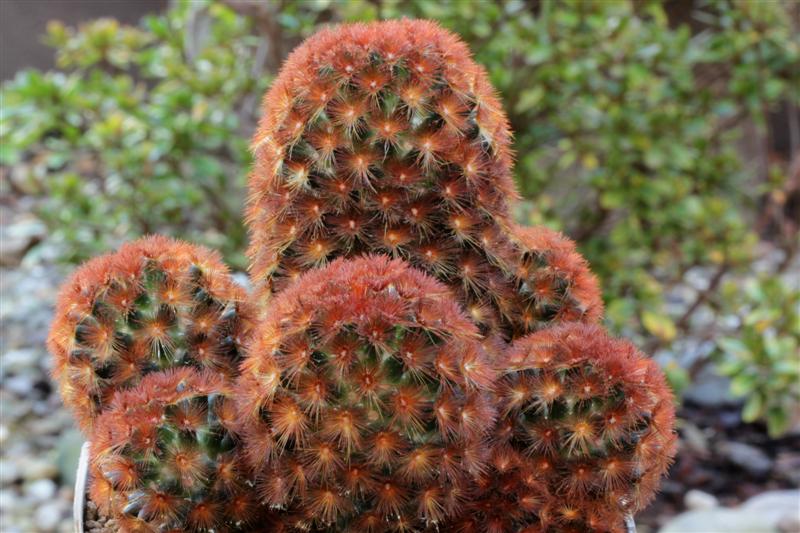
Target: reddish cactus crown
156 303
365 399
586 433
164 457
379 137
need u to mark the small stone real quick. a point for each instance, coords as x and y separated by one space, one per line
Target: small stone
710 390
48 515
33 468
21 385
747 457
695 439
699 500
777 501
21 359
90 510
41 490
18 238
9 472
761 514
8 500
16 408
789 524
787 466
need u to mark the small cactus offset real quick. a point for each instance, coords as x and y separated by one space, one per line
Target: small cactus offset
164 457
538 279
155 304
366 398
585 434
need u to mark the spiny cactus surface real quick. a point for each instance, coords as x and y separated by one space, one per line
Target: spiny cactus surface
157 303
585 434
377 393
385 136
365 399
164 457
536 278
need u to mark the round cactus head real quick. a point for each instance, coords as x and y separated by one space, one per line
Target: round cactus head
365 399
377 137
164 457
543 281
585 434
157 303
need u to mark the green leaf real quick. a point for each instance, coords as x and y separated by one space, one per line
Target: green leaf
777 422
659 325
753 408
529 99
742 385
734 347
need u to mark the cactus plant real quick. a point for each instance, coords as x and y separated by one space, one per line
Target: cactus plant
366 399
164 457
585 434
156 303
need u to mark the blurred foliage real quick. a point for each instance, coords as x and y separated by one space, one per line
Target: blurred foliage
142 130
760 355
628 118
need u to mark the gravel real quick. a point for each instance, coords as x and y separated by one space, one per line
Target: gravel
35 495
96 523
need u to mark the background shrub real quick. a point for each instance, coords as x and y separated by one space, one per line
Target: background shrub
660 136
756 351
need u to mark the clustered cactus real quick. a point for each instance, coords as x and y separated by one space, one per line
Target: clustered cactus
156 304
584 434
410 360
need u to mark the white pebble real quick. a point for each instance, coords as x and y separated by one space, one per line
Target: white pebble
699 500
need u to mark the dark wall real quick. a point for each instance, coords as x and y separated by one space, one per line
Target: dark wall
23 22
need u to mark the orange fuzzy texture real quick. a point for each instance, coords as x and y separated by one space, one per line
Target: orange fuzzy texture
550 281
155 303
586 433
365 398
372 136
163 457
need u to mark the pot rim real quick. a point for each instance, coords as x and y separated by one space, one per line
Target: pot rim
79 498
